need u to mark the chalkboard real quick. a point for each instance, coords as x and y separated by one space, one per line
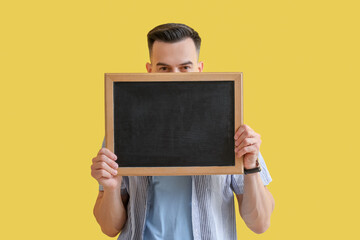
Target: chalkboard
173 124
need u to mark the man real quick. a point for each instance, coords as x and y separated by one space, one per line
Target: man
182 207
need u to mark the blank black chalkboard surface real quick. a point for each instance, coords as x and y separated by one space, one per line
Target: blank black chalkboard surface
173 123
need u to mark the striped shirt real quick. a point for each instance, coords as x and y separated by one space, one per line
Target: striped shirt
212 210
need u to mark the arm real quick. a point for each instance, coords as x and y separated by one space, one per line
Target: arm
256 203
109 209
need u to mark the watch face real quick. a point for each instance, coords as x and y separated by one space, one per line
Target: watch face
257 165
253 170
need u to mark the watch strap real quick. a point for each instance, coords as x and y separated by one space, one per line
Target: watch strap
253 170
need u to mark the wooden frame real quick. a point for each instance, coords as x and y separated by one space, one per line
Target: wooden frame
110 78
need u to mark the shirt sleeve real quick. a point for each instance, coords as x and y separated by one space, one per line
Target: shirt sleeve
237 181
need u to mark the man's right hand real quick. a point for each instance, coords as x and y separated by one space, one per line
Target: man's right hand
104 169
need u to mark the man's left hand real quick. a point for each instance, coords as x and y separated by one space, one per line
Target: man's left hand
247 143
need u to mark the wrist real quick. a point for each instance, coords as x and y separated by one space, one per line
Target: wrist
252 168
112 188
251 162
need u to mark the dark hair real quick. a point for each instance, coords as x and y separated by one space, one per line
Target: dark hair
173 32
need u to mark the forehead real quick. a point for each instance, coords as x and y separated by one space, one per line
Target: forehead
174 53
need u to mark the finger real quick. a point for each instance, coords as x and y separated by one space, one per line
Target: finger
247 142
239 132
97 174
103 158
104 166
108 153
247 149
238 148
241 129
245 134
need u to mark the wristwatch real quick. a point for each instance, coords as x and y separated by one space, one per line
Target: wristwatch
253 170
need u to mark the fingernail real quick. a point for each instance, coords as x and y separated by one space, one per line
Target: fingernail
115 172
115 157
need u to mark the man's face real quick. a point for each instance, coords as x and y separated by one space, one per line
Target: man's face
174 57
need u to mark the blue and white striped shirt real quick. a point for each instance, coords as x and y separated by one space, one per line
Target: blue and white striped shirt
212 210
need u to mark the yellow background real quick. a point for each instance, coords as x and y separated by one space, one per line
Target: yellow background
301 76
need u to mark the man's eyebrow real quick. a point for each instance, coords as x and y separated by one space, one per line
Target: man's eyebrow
162 64
187 63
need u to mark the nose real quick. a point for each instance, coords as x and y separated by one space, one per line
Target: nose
175 70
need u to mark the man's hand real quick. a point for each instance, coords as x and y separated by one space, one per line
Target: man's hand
247 143
109 209
104 169
256 202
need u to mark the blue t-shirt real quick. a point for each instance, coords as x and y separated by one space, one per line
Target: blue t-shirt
168 213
